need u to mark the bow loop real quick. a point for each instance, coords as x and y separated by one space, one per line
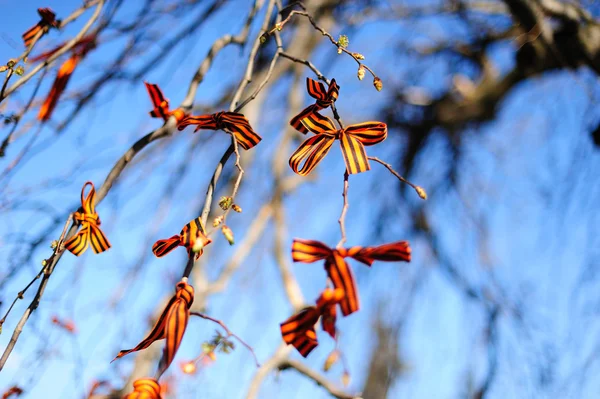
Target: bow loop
392 252
325 98
90 232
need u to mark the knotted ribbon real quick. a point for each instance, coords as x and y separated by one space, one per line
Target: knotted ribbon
145 388
340 273
171 326
232 122
48 20
353 140
161 104
299 330
90 232
324 99
190 234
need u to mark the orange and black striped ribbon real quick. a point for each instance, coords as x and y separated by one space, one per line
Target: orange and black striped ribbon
324 99
171 325
48 20
12 392
161 104
232 122
340 273
299 330
64 74
353 140
90 232
145 388
190 233
58 87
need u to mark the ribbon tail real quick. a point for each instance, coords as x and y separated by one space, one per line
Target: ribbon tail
98 239
60 83
354 153
79 242
176 324
30 34
299 330
157 333
341 275
296 121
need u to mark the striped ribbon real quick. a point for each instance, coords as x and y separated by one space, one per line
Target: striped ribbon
324 99
299 330
340 273
90 232
170 326
48 20
161 104
64 73
353 140
145 388
190 234
231 122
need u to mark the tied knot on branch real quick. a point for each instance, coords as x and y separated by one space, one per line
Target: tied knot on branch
340 273
161 104
89 220
192 237
299 330
325 98
48 21
232 122
170 326
353 140
145 388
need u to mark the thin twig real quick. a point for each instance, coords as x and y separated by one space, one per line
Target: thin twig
316 377
229 333
342 219
420 191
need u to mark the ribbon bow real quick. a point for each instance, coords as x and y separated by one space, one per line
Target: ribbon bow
90 232
12 391
145 388
324 99
353 140
64 73
170 325
309 251
232 122
189 236
161 104
299 330
48 20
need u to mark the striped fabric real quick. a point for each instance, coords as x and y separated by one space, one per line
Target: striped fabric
161 104
324 99
299 330
64 73
48 20
171 326
231 122
145 388
189 235
340 273
352 141
90 232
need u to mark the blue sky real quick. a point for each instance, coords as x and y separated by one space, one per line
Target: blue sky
530 177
